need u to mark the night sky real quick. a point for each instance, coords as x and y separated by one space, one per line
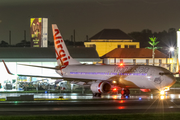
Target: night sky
88 17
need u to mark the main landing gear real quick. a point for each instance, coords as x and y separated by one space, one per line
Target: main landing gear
96 94
125 92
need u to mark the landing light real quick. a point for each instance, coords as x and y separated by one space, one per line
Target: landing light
114 81
162 97
162 92
114 97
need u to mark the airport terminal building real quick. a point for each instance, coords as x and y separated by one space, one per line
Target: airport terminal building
38 56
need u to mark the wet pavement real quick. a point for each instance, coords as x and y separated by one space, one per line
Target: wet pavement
77 103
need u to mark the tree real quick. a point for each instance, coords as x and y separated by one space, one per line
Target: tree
166 38
141 37
153 44
4 44
23 43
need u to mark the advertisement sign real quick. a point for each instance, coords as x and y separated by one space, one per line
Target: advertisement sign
39 32
35 29
44 38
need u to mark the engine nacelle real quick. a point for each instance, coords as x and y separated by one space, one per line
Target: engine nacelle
100 87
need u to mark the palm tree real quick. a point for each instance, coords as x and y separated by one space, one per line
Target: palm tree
153 44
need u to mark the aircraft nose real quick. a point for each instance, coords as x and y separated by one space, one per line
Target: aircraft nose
170 80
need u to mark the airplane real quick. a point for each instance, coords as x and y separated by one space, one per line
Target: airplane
103 78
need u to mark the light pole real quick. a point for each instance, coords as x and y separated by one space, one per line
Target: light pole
171 50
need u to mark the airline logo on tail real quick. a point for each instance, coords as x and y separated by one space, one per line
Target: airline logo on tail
60 52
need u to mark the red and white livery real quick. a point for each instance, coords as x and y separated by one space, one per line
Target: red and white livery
103 78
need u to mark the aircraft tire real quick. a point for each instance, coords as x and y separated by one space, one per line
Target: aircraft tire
94 94
125 92
99 95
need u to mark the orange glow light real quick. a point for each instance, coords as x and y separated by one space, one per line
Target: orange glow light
114 89
121 64
121 107
121 101
114 96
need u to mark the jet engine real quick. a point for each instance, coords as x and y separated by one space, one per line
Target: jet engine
100 87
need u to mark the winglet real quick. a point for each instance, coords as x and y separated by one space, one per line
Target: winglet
7 68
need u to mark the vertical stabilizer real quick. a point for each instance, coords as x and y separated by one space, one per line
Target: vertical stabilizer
62 54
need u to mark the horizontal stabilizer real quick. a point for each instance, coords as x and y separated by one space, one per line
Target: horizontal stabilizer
7 68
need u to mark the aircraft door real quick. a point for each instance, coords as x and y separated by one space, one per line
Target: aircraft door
157 78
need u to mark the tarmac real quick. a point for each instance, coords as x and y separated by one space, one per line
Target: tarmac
82 104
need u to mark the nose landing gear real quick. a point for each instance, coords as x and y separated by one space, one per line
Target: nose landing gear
96 94
125 92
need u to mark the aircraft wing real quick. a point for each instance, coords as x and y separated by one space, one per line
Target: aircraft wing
55 68
52 77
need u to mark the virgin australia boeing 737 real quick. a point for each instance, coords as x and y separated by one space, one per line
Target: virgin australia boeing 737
102 78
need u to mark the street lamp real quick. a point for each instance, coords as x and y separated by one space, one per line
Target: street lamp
171 49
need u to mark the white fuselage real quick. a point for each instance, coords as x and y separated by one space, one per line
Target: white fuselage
130 76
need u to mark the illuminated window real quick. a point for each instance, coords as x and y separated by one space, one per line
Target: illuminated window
92 45
119 46
111 61
121 60
125 46
132 46
160 61
147 61
134 61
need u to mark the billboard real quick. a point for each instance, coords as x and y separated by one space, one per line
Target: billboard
178 45
39 32
44 35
